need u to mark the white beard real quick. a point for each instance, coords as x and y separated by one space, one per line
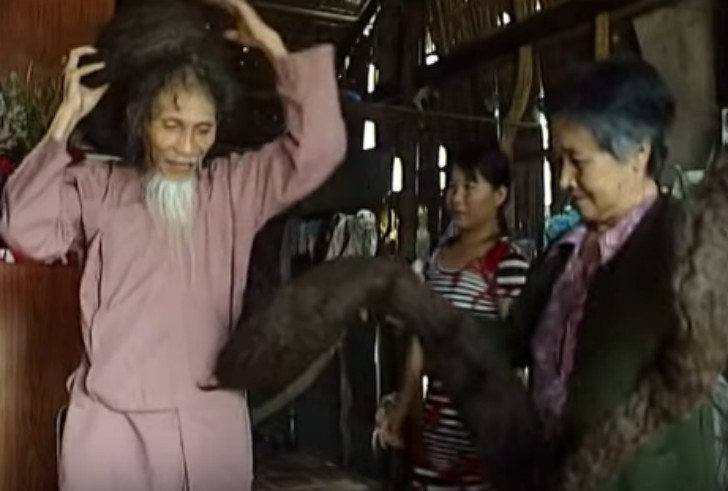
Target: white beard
172 205
171 200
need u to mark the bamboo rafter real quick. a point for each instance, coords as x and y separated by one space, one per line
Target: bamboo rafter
453 23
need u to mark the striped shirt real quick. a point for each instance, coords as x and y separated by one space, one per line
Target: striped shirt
452 462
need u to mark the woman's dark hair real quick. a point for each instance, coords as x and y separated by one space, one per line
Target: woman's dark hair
148 47
623 102
492 165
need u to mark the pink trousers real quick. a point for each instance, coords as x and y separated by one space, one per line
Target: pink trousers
205 445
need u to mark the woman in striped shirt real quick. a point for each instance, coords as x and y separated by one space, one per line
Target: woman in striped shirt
477 270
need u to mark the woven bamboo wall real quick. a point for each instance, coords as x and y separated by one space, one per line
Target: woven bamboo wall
44 30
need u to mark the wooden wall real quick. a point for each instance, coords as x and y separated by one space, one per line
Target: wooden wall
680 42
40 346
42 31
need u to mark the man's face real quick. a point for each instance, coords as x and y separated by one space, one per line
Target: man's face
181 131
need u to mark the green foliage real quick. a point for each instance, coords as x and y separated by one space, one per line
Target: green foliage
27 106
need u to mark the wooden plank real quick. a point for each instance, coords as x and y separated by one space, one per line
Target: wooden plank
554 20
41 345
42 31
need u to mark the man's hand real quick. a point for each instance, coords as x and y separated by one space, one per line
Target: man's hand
78 100
251 30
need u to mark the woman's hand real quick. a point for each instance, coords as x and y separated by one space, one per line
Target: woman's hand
251 30
418 268
78 100
389 427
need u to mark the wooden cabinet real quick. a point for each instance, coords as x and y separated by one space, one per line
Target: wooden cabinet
40 345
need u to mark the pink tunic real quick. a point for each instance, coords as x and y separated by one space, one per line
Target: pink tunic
153 321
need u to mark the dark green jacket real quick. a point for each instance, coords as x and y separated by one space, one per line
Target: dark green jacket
627 316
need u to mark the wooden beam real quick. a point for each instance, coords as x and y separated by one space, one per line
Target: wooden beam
356 31
720 19
549 22
319 13
404 114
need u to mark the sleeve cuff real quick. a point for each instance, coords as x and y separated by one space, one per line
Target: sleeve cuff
299 66
53 147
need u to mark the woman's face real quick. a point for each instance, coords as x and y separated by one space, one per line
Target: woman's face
472 203
603 188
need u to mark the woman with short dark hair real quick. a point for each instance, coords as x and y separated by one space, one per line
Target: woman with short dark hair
596 319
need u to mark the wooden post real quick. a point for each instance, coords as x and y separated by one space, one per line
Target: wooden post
602 36
720 28
412 22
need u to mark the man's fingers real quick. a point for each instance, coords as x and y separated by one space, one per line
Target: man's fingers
100 91
75 55
88 69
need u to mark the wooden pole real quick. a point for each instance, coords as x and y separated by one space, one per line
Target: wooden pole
602 36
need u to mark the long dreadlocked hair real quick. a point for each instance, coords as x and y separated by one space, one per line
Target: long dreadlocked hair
309 316
150 47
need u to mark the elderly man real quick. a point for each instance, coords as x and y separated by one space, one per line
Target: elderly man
167 247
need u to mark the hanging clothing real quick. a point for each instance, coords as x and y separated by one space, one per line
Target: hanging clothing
153 320
354 235
450 461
